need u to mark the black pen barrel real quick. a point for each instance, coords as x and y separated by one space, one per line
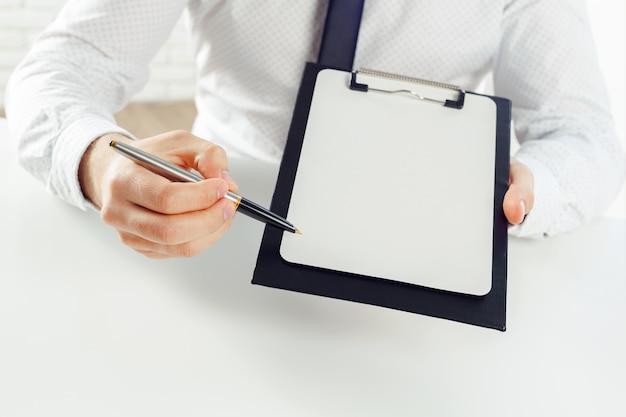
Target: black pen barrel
257 212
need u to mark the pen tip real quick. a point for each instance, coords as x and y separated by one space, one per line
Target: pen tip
298 232
113 143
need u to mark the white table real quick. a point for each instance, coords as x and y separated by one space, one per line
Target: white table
90 328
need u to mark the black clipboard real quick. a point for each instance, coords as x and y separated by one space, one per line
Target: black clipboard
281 263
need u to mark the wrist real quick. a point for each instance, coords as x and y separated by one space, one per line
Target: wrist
94 164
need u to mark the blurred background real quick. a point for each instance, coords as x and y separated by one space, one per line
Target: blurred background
166 103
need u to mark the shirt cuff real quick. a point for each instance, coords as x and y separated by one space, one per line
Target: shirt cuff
539 222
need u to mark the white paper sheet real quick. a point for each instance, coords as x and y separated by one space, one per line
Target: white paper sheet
397 188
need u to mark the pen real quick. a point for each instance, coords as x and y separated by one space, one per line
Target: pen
175 173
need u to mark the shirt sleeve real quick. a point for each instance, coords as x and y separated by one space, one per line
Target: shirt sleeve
79 72
547 65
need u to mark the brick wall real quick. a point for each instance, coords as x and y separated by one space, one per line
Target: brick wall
21 21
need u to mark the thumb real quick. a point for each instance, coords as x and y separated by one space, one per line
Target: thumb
519 198
211 161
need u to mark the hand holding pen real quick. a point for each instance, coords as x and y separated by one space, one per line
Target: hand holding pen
153 215
175 173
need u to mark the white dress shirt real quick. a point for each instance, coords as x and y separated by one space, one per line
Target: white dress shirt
249 59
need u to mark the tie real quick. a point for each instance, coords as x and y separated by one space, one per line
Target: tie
341 31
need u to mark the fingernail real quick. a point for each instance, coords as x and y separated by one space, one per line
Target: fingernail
229 210
522 204
222 190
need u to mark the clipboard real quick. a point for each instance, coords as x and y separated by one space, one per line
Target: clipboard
397 184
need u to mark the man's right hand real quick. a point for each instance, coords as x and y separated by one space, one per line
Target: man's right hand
152 215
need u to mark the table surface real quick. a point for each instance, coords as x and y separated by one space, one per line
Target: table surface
90 328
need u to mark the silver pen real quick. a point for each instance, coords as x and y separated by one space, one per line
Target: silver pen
175 173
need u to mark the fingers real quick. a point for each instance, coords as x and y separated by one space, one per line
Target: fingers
188 151
160 218
169 235
146 189
519 198
164 249
168 229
